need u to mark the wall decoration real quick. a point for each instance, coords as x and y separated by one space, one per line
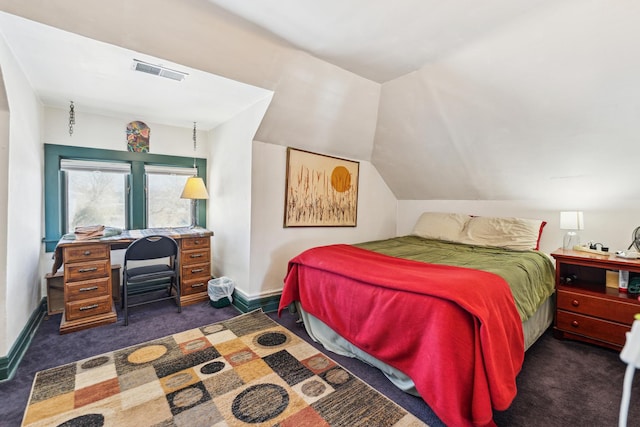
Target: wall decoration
138 137
321 191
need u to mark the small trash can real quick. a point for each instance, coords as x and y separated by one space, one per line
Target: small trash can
220 291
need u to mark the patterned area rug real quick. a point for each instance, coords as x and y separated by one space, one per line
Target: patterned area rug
248 370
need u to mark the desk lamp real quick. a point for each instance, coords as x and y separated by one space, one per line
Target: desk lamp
572 221
194 188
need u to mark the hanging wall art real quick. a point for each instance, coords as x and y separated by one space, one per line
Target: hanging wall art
138 134
321 191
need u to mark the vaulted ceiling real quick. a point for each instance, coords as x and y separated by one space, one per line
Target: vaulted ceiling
500 99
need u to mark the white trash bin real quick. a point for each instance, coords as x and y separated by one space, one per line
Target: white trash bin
220 291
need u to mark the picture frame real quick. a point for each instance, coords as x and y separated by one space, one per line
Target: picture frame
320 190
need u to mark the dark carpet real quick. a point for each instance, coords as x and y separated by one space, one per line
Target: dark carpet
562 383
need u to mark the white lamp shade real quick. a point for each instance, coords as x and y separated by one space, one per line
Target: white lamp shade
194 189
572 220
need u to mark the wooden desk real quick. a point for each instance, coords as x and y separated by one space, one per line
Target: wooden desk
88 295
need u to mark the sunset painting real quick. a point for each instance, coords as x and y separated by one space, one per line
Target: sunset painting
320 190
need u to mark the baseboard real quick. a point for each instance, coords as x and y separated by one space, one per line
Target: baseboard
9 363
267 304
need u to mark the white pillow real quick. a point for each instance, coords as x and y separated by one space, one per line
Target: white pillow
441 226
513 233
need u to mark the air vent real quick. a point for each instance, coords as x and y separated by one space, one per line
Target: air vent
158 70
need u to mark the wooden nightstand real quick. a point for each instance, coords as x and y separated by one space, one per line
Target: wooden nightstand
586 309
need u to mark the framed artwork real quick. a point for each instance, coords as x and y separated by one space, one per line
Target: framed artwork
138 137
321 191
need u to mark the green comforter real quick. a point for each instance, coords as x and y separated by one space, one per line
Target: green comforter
530 274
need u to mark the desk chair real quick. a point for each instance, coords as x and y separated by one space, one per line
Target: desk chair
150 277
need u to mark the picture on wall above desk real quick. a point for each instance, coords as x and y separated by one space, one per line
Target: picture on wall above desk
321 191
138 134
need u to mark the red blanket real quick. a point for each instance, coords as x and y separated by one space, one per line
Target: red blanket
454 331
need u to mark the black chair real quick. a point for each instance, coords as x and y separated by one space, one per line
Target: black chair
151 277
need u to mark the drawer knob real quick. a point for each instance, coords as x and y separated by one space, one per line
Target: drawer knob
575 303
87 253
197 270
90 288
197 285
197 242
196 255
87 270
88 307
575 324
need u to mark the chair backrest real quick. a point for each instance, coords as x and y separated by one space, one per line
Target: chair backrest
151 247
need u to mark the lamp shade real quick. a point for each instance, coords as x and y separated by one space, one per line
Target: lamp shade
572 220
194 189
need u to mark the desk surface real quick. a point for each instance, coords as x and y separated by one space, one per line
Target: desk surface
128 236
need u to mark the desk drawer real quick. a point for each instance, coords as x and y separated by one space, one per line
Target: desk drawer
593 328
194 286
196 271
194 243
88 289
197 256
85 252
87 270
88 307
603 308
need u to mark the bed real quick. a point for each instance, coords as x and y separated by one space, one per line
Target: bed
446 312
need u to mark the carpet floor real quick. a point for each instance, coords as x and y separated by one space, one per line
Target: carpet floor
562 382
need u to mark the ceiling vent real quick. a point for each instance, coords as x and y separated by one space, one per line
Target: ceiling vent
158 70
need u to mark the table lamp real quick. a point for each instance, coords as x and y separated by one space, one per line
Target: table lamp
572 221
195 190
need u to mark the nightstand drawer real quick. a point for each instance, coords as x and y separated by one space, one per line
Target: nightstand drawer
88 307
85 253
613 310
590 327
88 289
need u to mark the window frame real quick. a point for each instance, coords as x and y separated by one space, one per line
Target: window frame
136 215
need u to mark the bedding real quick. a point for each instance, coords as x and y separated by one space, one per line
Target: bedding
444 323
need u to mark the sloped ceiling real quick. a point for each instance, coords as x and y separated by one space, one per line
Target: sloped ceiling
379 39
485 100
465 100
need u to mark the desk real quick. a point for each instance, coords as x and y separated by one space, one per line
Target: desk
88 298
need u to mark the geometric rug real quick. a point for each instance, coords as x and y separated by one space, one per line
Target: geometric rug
248 370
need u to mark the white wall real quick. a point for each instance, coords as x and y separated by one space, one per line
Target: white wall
109 132
230 194
609 222
20 202
272 245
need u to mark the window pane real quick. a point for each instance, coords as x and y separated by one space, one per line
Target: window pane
165 208
95 198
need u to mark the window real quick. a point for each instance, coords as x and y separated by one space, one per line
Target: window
88 186
165 208
95 193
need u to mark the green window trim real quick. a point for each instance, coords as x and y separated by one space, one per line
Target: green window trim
53 209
